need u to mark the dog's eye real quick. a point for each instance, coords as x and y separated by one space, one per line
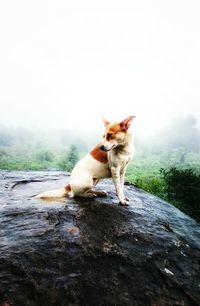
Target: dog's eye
109 136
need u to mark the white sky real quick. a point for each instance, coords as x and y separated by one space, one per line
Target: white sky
66 63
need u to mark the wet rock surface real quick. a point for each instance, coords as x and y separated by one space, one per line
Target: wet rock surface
93 252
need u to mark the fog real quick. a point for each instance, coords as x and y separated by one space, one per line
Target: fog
65 64
181 134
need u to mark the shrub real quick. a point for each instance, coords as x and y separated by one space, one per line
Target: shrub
45 156
154 185
68 162
182 188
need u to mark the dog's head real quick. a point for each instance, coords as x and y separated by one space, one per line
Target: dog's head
115 134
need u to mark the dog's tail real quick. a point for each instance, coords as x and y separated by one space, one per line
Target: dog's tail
56 193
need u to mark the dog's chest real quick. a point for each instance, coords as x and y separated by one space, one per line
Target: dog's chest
119 158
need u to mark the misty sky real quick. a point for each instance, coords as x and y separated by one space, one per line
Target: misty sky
66 63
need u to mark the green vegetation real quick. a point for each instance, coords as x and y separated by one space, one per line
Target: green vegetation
182 189
39 159
171 180
70 159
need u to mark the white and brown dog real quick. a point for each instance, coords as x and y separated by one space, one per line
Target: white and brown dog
108 159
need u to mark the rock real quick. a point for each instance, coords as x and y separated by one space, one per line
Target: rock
93 252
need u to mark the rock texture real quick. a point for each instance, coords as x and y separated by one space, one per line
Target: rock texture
93 252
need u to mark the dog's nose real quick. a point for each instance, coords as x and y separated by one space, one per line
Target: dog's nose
101 147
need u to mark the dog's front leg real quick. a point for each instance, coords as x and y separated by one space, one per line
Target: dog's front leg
122 177
118 186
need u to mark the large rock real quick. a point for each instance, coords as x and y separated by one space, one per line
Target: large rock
93 252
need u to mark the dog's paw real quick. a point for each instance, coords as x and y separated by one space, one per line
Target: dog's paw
124 202
126 198
91 195
101 193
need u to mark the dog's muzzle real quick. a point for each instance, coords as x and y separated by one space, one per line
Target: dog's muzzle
103 148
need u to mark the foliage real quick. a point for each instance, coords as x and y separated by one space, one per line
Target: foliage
72 156
45 156
154 185
182 187
70 159
146 173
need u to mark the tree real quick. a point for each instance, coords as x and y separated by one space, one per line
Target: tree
182 188
45 156
70 159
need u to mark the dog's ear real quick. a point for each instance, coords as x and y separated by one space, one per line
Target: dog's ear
105 121
125 124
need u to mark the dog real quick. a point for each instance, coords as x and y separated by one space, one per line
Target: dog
108 159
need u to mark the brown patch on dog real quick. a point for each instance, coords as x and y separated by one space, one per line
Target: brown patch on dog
68 188
112 130
99 155
119 126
